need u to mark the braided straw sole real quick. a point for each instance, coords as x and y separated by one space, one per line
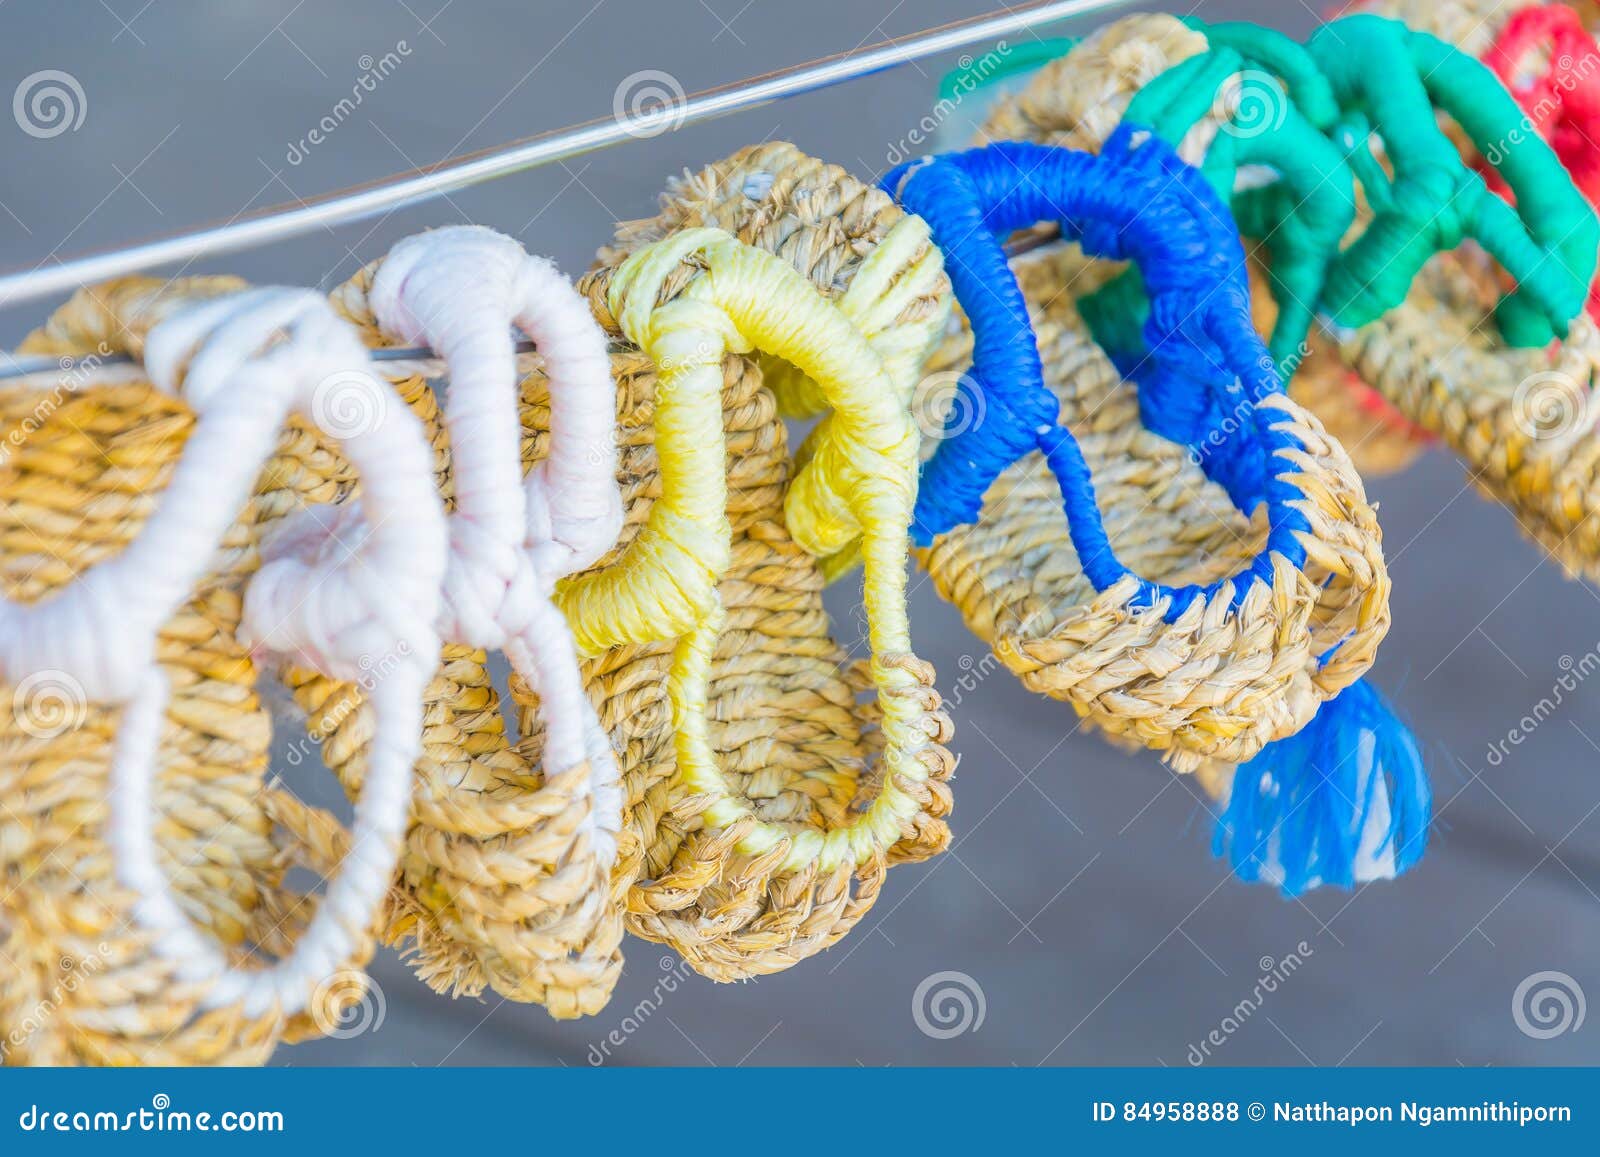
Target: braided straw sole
788 732
83 469
498 886
1215 684
1522 419
1078 100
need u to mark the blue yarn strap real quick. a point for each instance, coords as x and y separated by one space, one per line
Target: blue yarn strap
1137 201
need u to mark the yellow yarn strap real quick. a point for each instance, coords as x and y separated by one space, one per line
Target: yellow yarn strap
862 481
903 268
665 582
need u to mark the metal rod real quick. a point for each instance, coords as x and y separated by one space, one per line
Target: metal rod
347 205
43 370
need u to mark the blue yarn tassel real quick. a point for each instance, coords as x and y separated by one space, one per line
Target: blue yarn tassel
1343 801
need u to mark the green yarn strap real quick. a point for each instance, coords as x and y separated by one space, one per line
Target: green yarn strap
1171 103
1302 215
1389 80
1353 135
1283 57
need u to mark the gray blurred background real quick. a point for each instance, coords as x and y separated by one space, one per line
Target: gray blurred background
1080 899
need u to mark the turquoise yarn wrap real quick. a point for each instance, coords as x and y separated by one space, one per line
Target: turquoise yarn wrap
1391 82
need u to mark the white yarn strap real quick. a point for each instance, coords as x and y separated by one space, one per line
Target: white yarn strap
574 502
252 358
102 627
547 657
460 290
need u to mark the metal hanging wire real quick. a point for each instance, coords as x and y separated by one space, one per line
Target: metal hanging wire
348 205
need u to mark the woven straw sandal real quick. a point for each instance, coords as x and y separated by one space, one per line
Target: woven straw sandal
1481 374
1546 55
1539 52
505 876
1215 93
1244 627
766 834
141 946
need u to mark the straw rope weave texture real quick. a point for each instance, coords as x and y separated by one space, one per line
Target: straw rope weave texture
1523 420
87 470
1211 685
